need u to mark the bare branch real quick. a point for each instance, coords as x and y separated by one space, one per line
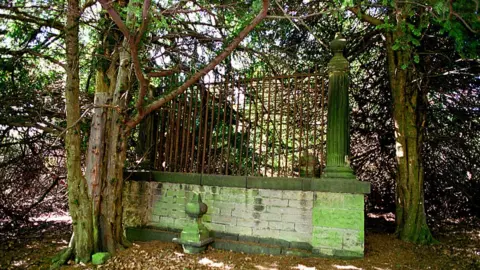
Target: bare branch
365 17
116 18
228 50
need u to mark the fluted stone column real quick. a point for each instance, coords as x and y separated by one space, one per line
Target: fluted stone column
338 134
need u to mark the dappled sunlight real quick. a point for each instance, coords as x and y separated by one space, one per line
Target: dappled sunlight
303 267
386 216
207 262
259 267
346 267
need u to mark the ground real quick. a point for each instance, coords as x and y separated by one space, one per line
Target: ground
33 246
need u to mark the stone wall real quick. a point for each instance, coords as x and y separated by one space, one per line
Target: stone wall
327 223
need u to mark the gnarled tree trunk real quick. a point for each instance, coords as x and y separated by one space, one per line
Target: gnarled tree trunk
409 118
78 198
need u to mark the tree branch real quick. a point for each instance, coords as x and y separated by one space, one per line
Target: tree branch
116 18
364 17
228 50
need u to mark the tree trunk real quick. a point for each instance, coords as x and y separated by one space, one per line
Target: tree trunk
409 117
96 149
78 198
110 221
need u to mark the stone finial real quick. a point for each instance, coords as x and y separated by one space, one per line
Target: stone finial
338 62
194 237
338 44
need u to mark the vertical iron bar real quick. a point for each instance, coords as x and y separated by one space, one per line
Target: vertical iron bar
194 124
274 120
161 146
243 128
187 148
171 130
315 114
209 165
230 127
280 129
184 132
225 89
322 131
217 125
294 122
288 127
261 123
177 132
255 125
205 128
237 109
301 99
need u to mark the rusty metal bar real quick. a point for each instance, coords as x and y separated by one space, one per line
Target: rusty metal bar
177 134
184 132
244 129
190 104
274 115
230 128
260 78
315 115
217 126
280 145
209 165
322 132
195 95
261 123
224 119
237 108
255 89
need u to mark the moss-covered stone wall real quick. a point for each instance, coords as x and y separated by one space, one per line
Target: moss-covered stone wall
327 223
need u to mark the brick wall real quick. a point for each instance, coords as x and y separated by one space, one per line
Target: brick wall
331 223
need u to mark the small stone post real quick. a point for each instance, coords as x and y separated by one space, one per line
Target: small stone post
338 134
194 237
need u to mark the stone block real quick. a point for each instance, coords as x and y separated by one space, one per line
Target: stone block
267 216
353 241
295 236
288 226
227 220
338 218
304 204
213 210
297 195
265 233
253 223
329 200
181 222
239 230
270 193
303 228
304 219
166 221
354 202
327 237
275 202
276 225
215 227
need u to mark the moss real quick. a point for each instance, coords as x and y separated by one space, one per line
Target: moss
100 258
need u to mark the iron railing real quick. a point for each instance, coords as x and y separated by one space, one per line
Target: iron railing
267 126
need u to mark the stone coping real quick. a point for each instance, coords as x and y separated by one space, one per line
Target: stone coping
239 243
330 184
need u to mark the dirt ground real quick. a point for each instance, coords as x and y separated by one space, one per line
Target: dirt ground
33 247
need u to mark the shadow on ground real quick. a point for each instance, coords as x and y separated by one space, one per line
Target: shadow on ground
32 247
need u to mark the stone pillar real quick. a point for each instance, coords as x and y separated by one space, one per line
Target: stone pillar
338 134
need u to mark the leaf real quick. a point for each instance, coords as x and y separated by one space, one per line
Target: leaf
416 58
